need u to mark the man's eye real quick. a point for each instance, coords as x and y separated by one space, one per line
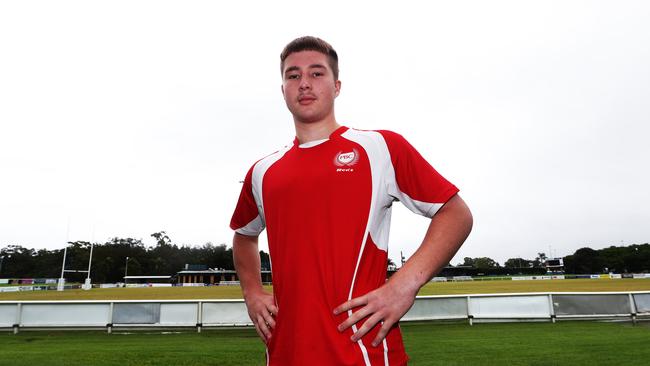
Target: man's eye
317 74
293 76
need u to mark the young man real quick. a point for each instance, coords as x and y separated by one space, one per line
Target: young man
325 201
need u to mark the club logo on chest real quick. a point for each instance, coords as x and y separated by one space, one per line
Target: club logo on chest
344 160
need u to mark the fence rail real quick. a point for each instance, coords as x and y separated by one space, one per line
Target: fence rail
113 314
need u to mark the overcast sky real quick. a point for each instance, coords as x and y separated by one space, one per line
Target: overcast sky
125 118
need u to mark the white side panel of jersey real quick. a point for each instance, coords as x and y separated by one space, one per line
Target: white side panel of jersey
256 226
423 208
383 177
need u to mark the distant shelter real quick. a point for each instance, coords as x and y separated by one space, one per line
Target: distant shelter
214 277
147 279
200 274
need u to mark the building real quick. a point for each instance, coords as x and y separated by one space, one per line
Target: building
201 274
147 279
554 265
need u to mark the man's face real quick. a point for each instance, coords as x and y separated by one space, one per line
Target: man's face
309 87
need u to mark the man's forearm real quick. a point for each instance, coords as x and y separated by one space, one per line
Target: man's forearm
448 230
247 263
260 304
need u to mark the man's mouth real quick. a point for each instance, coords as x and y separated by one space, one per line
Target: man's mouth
306 99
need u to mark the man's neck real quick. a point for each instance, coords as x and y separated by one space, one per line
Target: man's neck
307 132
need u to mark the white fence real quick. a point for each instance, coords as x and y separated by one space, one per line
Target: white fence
15 315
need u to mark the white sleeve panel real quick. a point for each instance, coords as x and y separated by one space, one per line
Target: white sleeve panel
253 228
260 169
383 176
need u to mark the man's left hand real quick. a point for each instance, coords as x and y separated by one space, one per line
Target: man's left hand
386 304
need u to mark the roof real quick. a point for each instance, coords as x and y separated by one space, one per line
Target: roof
208 271
212 271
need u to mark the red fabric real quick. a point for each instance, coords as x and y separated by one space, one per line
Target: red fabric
246 208
316 212
415 176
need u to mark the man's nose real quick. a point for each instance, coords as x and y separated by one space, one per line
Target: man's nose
304 84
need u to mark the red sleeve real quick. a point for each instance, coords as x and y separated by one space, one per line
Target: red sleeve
246 218
417 181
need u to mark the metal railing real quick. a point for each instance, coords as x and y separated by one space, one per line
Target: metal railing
113 314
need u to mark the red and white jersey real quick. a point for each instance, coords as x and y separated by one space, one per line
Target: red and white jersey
326 206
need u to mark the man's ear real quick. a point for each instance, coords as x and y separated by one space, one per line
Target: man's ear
282 89
337 87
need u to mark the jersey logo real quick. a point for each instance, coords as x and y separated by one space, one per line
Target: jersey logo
346 158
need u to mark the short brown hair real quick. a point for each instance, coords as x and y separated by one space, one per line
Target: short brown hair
309 43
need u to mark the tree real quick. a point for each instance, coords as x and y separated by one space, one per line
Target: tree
467 262
485 262
584 260
518 263
161 238
265 260
480 262
540 260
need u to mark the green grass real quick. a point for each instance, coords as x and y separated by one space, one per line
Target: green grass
234 292
564 343
574 285
131 293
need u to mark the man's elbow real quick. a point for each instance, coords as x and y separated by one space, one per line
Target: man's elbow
461 214
468 220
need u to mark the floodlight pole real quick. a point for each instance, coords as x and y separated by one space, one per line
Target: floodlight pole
126 269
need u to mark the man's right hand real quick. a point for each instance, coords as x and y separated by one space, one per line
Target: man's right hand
262 311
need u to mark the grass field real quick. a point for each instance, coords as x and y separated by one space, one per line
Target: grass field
438 288
563 343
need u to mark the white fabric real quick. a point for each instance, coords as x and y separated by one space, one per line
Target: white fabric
384 186
382 174
258 224
253 228
312 143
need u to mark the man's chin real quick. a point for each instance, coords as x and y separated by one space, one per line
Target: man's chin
307 118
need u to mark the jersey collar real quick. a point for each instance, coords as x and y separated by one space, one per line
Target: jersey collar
338 132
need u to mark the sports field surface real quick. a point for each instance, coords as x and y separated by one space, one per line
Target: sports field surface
438 288
563 343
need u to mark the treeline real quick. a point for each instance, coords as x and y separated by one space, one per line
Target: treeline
488 263
628 259
486 266
166 258
109 262
634 258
